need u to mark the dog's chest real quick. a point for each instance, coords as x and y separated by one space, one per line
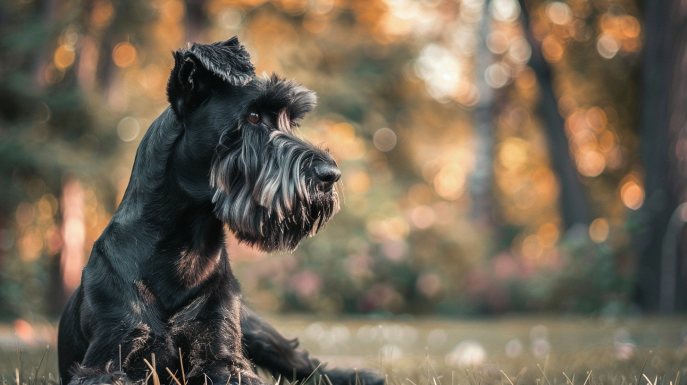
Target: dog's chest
192 267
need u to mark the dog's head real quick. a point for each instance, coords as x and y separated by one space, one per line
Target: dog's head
269 186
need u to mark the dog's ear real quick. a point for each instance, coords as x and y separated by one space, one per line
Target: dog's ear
196 68
187 85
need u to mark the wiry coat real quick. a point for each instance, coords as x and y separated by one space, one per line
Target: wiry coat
159 279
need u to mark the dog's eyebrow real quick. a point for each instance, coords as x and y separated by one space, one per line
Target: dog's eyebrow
283 121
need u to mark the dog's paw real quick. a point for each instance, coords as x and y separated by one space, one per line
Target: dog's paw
87 376
355 377
246 378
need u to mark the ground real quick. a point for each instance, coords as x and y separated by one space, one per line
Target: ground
424 351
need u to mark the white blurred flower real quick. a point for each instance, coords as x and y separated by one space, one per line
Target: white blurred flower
467 354
390 352
540 347
539 331
514 348
624 347
340 332
624 350
315 331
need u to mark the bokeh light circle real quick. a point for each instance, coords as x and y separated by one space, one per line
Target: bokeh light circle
384 139
128 129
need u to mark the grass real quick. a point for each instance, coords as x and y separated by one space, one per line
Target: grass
510 351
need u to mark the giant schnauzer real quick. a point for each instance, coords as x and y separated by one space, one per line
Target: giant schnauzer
158 279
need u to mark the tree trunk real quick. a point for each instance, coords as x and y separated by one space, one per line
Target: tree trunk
573 203
663 138
481 178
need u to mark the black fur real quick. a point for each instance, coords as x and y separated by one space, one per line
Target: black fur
158 279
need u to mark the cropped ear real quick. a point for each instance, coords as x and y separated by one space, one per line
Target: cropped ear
198 67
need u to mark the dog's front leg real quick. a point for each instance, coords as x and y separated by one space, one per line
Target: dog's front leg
209 334
271 351
115 355
268 349
101 363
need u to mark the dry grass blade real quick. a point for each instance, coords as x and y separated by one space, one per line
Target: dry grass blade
181 364
505 375
326 377
588 375
35 376
173 376
430 366
568 378
313 372
149 366
156 378
18 369
542 371
649 381
641 373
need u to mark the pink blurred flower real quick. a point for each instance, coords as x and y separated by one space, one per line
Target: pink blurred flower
378 296
505 266
358 265
305 284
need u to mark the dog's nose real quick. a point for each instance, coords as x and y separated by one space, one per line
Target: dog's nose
327 174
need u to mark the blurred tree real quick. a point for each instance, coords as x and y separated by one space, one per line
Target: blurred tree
54 56
663 136
481 178
32 112
573 202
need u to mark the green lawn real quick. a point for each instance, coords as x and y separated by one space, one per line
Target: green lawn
492 351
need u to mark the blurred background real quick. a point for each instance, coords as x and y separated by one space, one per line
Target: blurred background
498 156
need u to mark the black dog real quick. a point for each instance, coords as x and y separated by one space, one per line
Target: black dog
158 279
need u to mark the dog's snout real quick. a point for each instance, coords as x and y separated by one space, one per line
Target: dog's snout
327 174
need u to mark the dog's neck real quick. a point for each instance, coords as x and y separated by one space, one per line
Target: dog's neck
166 168
174 210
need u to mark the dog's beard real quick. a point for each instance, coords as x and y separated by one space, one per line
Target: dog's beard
266 194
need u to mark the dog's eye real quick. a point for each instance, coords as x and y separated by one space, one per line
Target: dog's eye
254 117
